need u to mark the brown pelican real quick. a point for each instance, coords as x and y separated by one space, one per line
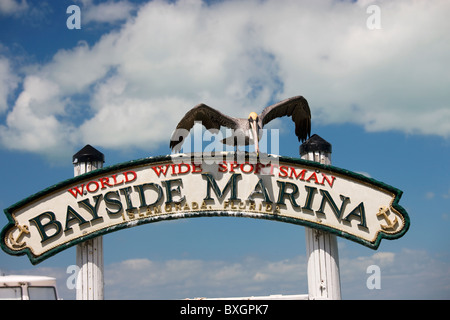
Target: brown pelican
245 131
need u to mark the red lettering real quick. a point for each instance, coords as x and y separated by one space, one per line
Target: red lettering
126 176
93 186
243 166
186 166
328 180
222 167
301 174
197 168
234 165
160 169
271 168
283 170
259 165
90 183
114 176
313 175
76 191
104 181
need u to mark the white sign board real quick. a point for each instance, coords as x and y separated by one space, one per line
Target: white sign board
160 188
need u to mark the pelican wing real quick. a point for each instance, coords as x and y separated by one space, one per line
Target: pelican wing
209 117
297 108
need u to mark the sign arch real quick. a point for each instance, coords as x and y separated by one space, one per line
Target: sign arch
163 188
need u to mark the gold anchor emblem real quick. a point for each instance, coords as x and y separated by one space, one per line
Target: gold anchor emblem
22 230
390 224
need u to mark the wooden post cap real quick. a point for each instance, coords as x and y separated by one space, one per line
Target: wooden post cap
315 144
88 154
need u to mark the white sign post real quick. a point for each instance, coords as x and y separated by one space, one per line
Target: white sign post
321 246
89 259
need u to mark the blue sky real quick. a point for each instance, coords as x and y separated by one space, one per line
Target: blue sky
378 93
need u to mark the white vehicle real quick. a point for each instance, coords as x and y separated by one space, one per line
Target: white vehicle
19 287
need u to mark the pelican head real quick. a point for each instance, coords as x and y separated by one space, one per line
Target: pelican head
253 118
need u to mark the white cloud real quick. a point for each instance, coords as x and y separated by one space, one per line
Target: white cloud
178 279
407 274
240 56
446 195
107 12
8 83
34 123
11 7
429 195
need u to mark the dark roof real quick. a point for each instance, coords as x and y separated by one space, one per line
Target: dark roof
88 154
315 143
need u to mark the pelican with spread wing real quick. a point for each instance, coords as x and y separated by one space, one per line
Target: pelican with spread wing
245 131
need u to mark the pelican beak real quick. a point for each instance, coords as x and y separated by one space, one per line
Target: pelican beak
255 136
